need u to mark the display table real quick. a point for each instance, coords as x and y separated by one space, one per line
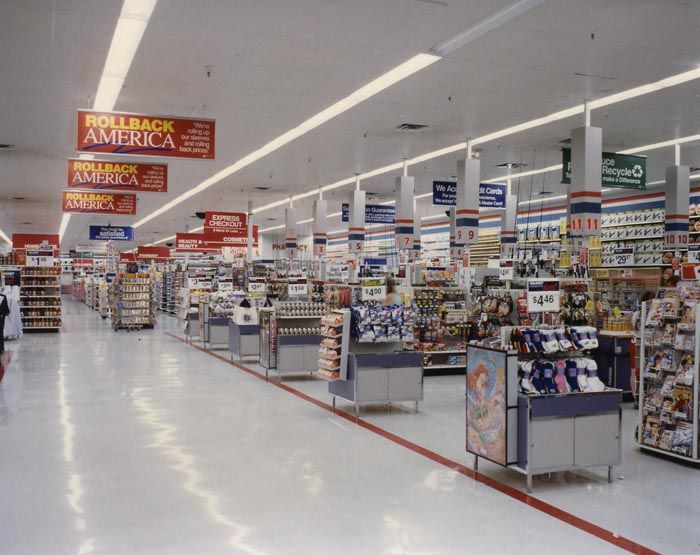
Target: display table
380 378
244 340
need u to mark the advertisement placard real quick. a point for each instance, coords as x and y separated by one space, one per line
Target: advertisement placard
228 223
35 241
623 171
153 253
374 213
142 135
111 233
543 295
120 176
78 202
491 195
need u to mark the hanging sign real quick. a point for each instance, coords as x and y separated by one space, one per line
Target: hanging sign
127 176
123 257
136 134
78 202
153 253
694 254
374 213
111 233
194 242
373 289
543 295
39 259
491 195
338 272
623 171
35 241
234 224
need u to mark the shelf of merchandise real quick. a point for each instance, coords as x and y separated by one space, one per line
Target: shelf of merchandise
668 383
334 367
488 246
47 282
131 301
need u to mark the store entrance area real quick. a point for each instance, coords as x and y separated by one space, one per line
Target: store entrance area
138 442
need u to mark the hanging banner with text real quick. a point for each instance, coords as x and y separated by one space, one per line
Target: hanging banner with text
622 171
491 195
35 241
76 202
111 233
153 253
374 213
228 223
131 176
211 242
136 134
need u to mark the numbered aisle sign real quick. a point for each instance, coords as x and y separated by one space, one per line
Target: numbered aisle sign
373 289
297 288
543 295
39 259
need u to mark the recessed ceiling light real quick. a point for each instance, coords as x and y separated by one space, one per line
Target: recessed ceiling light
26 223
19 198
261 188
271 219
7 147
410 126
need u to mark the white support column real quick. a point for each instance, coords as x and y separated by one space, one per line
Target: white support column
415 253
586 178
456 249
677 203
249 254
468 174
356 222
320 228
290 233
405 215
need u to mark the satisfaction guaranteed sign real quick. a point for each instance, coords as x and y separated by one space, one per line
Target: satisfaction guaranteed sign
111 233
622 171
491 195
140 135
374 213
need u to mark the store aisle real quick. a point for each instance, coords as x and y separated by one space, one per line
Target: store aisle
137 443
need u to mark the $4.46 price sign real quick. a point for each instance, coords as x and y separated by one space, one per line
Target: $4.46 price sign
373 289
543 295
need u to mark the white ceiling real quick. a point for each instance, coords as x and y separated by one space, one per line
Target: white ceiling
275 63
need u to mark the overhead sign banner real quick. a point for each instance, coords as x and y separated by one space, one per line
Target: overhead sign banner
153 253
374 213
123 257
229 223
77 202
622 171
491 195
140 135
111 233
126 176
35 241
210 242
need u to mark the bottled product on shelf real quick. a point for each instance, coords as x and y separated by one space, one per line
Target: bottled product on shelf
40 298
131 301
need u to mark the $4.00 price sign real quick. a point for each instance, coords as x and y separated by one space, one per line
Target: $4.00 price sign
543 296
373 289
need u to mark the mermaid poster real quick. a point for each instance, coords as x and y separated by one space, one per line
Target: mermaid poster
486 404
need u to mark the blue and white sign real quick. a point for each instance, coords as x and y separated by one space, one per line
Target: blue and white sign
111 233
374 213
491 195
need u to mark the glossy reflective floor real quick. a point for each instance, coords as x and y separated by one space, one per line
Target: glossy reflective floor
138 443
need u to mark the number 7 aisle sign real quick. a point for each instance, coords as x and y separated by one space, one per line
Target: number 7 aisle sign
543 295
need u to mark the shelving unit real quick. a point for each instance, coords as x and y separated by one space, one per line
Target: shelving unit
131 302
40 298
333 353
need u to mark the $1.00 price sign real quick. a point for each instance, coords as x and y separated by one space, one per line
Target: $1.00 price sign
373 289
543 295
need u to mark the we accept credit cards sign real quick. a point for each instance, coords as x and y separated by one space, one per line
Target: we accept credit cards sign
491 195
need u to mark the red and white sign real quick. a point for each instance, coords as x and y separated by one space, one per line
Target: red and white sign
121 176
136 134
153 253
126 257
78 202
34 241
211 242
229 223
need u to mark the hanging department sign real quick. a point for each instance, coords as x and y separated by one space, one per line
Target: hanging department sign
136 134
374 213
127 176
228 223
111 233
76 202
491 195
622 171
195 242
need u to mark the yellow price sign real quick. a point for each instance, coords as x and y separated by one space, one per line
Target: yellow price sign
562 226
564 260
594 259
594 242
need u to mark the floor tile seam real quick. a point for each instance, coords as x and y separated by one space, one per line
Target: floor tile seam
525 498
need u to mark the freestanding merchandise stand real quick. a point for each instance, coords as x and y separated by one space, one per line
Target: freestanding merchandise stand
244 340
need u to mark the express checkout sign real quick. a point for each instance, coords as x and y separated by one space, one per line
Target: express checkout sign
141 135
491 195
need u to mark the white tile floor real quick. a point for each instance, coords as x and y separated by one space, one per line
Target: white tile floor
137 443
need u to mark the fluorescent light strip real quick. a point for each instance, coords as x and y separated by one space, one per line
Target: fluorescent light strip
5 237
127 36
672 142
372 88
556 116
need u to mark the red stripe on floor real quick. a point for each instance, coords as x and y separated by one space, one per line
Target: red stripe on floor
527 499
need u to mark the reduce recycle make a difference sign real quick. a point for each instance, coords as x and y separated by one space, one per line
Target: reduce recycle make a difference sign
618 170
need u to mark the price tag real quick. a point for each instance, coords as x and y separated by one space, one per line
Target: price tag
622 257
594 242
338 272
505 273
595 260
694 254
543 295
39 260
296 289
193 283
373 289
564 260
257 287
225 286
